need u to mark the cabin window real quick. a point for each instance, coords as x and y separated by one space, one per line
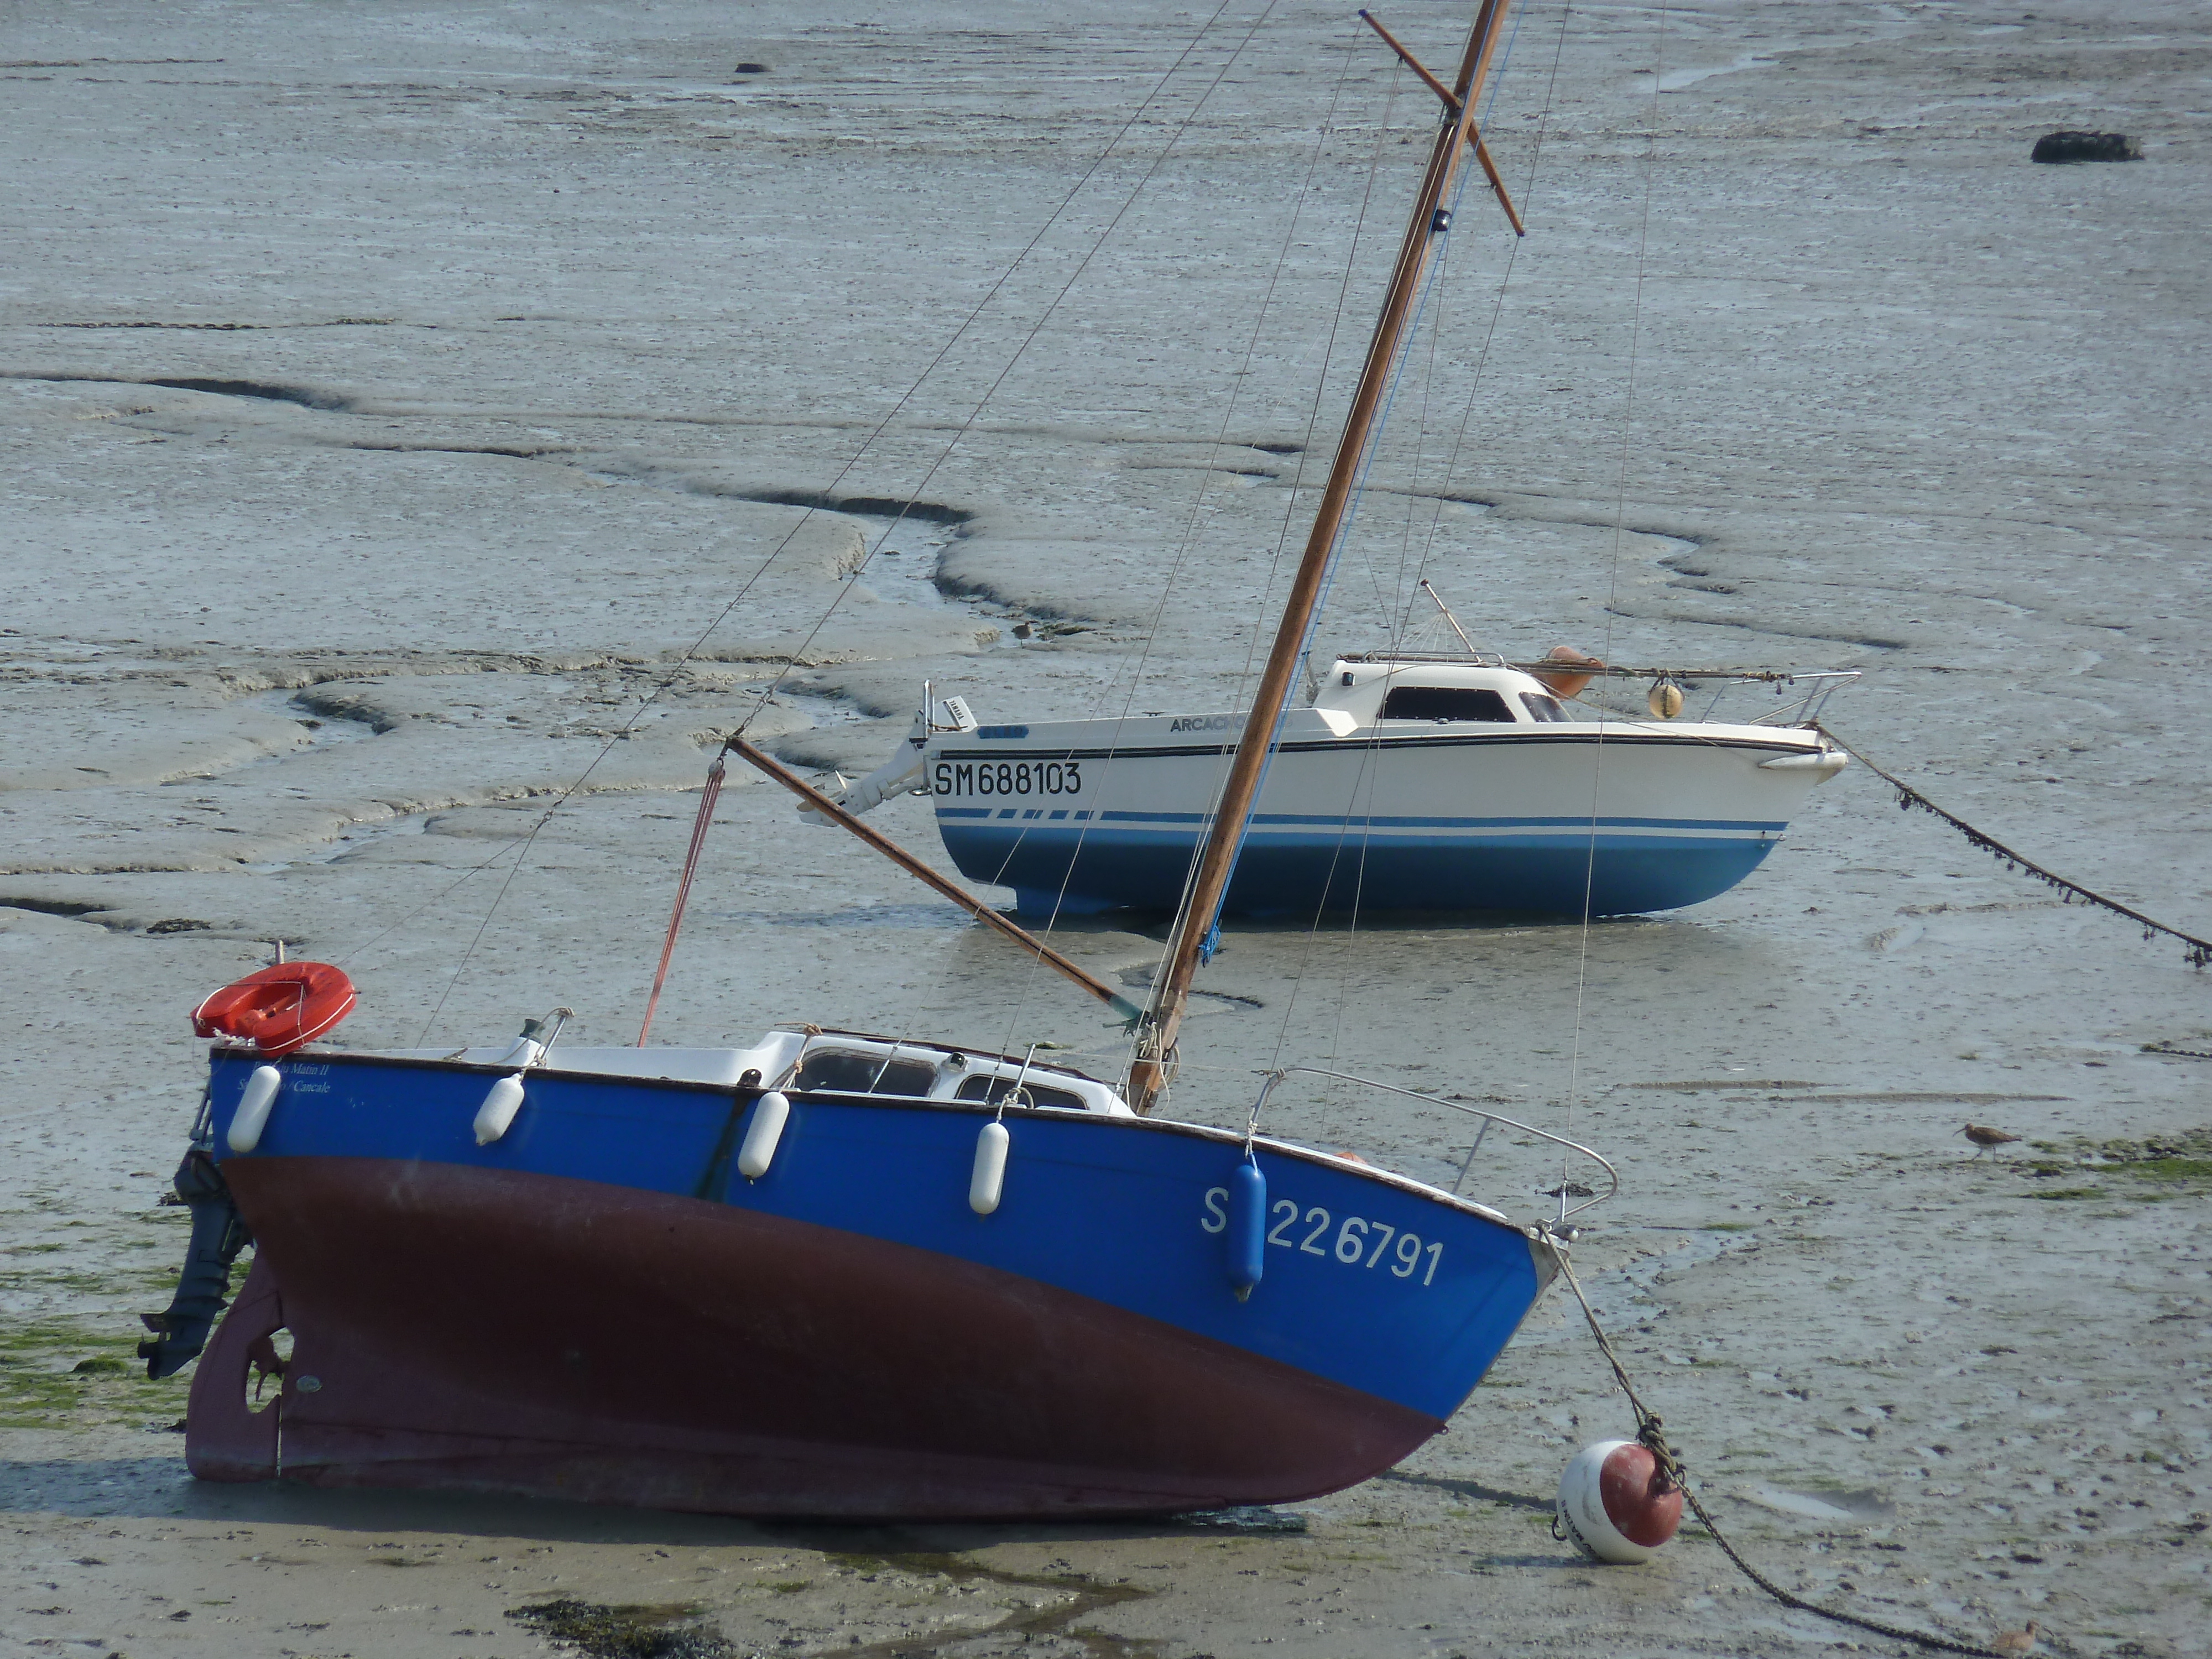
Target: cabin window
1445 703
841 1072
993 1090
1543 708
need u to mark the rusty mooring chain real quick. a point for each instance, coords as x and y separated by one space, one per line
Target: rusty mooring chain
1651 1432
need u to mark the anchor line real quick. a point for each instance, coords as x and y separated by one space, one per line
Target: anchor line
1909 800
1651 1434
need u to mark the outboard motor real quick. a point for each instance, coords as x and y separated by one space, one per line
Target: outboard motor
219 1233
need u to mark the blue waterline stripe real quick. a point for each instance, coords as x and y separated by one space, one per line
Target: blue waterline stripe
1378 822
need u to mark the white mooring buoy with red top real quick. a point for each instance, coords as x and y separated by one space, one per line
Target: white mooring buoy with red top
1614 1504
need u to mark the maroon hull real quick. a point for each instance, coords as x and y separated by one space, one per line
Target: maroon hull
492 1331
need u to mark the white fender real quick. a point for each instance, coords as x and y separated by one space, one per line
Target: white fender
770 1112
496 1115
989 1182
252 1115
1825 762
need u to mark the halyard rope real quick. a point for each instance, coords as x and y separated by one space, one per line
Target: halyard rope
699 826
1909 800
1651 1434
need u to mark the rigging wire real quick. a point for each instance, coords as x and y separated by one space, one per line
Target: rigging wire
1259 629
1190 528
1045 316
1613 579
1298 482
1497 311
1363 466
1362 470
1347 946
528 841
1394 613
1029 339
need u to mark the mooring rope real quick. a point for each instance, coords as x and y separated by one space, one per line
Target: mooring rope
1650 1433
1909 800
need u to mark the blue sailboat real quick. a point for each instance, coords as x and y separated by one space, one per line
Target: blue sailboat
833 1273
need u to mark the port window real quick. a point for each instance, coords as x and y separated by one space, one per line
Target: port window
993 1090
1543 708
1445 703
838 1071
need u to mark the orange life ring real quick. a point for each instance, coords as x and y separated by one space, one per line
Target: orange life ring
279 1008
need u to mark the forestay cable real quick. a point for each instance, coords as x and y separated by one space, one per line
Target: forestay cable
1613 578
528 841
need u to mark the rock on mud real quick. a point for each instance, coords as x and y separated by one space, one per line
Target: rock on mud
2086 147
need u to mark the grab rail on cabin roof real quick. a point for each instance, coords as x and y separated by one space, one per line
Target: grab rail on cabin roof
1563 1192
1824 683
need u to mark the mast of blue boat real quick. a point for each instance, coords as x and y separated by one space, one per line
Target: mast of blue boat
1153 1067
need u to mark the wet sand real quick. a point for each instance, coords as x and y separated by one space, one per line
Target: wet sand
394 398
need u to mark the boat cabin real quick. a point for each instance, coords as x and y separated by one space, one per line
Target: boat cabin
1436 690
837 1062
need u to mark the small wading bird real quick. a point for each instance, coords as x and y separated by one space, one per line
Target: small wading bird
2016 1641
1987 1139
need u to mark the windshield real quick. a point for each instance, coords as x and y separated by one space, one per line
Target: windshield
1445 703
838 1071
993 1090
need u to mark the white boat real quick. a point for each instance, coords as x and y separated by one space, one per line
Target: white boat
1426 783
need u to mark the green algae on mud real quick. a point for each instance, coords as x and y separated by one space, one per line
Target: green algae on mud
600 1630
76 1374
2169 1169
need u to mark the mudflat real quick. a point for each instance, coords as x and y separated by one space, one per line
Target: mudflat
396 399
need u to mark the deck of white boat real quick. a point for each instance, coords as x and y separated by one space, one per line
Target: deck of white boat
800 1060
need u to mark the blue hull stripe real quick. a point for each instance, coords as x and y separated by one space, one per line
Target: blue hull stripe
1110 1209
1338 826
1284 871
1353 827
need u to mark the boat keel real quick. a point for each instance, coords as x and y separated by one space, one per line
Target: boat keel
226 1437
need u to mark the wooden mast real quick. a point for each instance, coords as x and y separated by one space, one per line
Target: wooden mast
1154 1066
